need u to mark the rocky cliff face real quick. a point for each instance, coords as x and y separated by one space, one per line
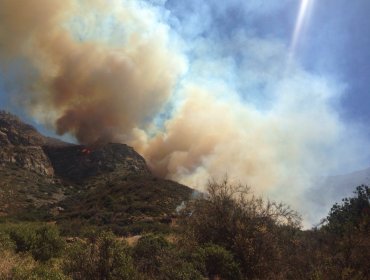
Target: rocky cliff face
30 157
14 132
77 163
22 145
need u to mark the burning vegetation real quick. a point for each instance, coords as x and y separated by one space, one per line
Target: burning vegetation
86 151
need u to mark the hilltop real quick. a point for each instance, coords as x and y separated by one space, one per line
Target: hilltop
43 178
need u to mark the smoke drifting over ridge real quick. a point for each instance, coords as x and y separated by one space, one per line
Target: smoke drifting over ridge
116 71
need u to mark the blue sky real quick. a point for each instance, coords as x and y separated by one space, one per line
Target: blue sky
335 41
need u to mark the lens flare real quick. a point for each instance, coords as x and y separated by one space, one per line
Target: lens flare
302 18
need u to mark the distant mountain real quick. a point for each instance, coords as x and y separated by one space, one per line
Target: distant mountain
328 190
334 188
110 184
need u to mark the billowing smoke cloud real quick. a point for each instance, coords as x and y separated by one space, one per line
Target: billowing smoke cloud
115 71
96 92
208 137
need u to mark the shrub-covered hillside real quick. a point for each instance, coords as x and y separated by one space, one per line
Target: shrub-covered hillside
228 234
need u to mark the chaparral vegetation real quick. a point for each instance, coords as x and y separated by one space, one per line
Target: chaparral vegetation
227 233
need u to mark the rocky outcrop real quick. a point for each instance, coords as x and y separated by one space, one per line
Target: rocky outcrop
30 157
77 163
22 145
13 131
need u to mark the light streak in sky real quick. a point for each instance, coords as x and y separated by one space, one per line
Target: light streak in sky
302 18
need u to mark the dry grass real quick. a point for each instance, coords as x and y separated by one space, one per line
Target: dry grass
9 261
132 240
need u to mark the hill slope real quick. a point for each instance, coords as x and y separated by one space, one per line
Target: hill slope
107 185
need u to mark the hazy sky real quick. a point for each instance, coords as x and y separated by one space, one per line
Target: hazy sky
334 42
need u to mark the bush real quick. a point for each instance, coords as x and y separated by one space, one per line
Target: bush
175 268
353 214
47 244
151 245
6 243
102 257
37 273
219 262
24 237
158 259
248 226
44 242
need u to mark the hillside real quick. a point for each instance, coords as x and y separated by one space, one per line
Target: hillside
96 212
77 163
107 185
23 192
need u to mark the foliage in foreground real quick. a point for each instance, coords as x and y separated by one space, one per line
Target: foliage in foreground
228 234
247 226
102 256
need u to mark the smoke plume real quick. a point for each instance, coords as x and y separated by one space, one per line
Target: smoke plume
96 92
107 71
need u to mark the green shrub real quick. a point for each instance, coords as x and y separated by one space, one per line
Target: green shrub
6 243
158 259
219 262
24 237
149 251
37 273
102 257
47 244
44 242
353 214
178 269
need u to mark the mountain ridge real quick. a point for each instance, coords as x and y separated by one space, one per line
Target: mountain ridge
109 184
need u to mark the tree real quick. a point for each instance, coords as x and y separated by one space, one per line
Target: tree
246 225
346 232
353 214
